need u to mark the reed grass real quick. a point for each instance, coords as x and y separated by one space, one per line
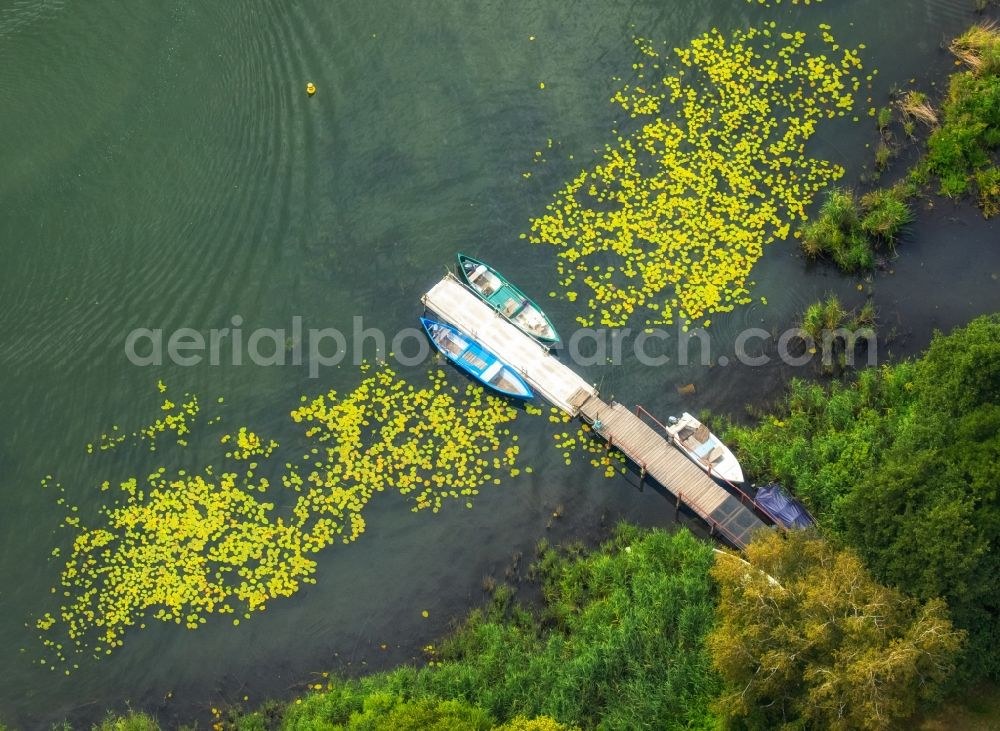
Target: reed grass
850 232
883 155
979 48
886 213
914 106
988 187
884 119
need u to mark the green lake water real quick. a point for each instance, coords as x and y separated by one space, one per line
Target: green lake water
161 166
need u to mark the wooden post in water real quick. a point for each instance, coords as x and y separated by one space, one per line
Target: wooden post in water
677 508
642 476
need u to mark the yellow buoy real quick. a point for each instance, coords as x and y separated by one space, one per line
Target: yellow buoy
310 88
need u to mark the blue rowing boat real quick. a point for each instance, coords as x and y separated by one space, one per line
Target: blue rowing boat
476 360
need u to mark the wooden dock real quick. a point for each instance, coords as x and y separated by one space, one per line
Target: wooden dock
730 517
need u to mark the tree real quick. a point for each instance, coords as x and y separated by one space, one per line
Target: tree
903 465
928 519
541 723
345 709
805 638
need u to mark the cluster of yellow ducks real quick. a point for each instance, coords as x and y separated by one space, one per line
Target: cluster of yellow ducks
176 420
180 547
673 218
610 462
429 443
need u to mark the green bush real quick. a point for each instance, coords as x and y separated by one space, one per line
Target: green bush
848 231
886 212
619 644
961 149
623 646
988 187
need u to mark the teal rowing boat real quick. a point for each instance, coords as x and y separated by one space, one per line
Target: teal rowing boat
498 292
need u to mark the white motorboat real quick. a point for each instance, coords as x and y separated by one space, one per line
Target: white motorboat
704 448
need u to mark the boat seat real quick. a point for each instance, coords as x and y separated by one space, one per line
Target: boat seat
702 450
716 455
493 369
702 434
510 308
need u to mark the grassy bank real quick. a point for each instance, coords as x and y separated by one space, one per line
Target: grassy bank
617 644
960 152
655 630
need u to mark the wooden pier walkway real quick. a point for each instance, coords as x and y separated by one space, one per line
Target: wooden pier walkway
731 517
728 516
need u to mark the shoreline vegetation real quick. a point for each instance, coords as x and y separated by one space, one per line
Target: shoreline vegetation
962 137
841 333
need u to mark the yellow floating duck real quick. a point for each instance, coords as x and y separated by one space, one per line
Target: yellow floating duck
310 88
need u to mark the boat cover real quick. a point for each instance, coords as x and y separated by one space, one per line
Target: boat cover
783 506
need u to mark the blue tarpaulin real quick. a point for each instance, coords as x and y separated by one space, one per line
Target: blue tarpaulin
783 506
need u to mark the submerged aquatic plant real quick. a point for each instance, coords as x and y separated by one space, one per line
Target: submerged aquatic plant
670 223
